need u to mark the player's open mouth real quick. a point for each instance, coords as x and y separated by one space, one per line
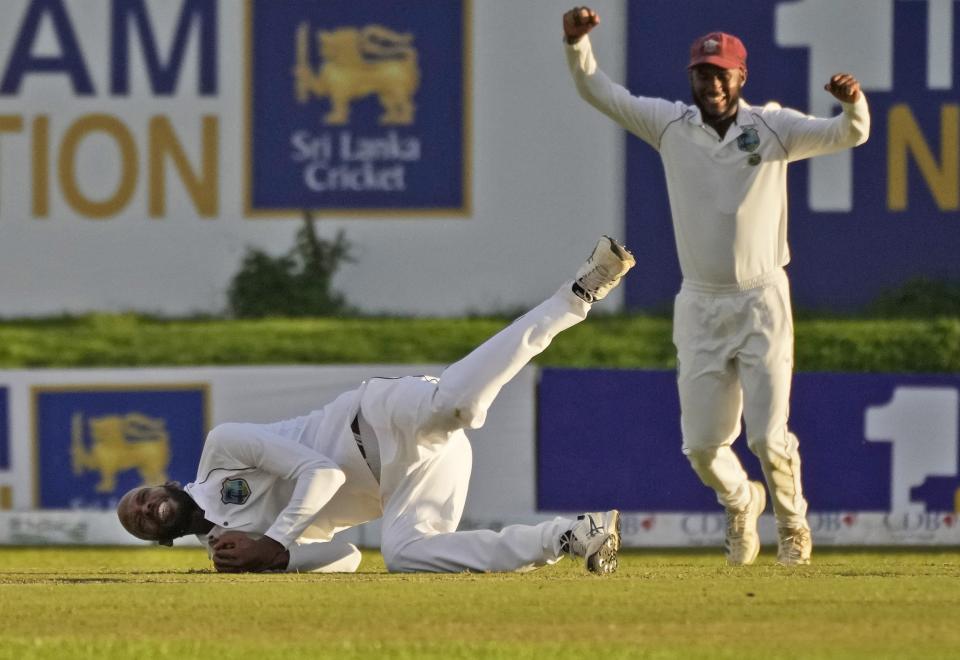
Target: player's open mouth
717 100
164 511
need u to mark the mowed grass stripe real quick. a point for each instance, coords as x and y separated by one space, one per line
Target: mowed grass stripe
100 603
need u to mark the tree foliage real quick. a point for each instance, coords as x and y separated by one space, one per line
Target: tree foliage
298 283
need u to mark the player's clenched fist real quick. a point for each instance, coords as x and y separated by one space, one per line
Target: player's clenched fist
578 22
844 87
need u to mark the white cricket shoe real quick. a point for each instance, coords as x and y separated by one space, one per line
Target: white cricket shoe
596 538
742 544
602 270
795 546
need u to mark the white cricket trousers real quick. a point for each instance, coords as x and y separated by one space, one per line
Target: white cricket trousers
735 358
424 485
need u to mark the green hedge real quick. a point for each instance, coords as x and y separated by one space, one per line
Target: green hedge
925 346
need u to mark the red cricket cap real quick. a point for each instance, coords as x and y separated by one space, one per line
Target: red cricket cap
720 49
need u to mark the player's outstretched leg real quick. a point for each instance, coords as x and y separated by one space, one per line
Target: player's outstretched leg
469 386
596 538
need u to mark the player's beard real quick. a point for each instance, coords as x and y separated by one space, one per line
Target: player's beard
710 112
183 513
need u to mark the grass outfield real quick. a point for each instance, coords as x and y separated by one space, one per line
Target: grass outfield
158 603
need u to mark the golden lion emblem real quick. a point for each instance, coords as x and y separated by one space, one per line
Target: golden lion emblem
357 63
121 442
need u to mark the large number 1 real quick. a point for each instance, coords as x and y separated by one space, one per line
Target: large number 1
921 424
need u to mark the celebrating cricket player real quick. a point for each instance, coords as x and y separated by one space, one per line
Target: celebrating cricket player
726 166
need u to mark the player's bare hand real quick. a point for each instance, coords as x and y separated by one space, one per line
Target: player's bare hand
844 87
578 22
234 552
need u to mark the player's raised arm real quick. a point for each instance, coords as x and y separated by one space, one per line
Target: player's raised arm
805 136
578 22
644 117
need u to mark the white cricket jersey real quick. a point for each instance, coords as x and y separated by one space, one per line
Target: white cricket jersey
728 196
300 479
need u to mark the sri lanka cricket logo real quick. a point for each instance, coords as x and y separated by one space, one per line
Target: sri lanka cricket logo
118 443
357 63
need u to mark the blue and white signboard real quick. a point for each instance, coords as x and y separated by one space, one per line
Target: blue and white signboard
870 444
358 105
861 221
94 443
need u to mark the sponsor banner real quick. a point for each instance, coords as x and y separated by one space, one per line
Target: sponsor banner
880 452
94 443
869 443
699 529
861 221
827 528
66 528
640 530
358 105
